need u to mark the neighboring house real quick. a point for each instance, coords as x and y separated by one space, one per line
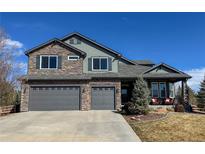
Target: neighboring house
77 73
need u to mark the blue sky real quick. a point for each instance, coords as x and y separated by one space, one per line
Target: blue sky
177 39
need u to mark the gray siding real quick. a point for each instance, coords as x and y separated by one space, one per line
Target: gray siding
93 51
161 70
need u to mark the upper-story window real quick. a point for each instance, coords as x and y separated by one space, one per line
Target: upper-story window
100 63
49 61
73 57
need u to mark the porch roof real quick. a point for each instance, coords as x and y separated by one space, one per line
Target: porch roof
169 73
166 76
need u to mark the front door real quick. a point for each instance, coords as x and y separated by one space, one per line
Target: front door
124 95
126 91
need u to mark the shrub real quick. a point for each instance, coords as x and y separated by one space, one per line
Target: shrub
170 109
140 98
179 108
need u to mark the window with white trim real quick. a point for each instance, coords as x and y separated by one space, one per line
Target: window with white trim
73 57
155 90
162 89
100 63
171 90
48 62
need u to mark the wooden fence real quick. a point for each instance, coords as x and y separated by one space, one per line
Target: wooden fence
7 109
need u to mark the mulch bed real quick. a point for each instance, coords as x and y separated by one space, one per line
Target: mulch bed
148 117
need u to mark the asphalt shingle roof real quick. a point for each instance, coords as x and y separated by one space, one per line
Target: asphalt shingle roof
165 75
132 69
125 71
143 62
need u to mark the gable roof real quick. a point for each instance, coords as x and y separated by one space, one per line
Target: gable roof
97 44
54 40
169 67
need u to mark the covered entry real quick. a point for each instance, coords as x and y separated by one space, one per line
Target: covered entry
48 98
103 98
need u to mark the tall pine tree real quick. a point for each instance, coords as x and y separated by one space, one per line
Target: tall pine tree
192 97
140 97
201 94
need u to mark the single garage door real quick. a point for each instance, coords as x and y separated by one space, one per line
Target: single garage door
103 98
46 98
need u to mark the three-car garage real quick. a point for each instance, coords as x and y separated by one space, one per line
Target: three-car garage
55 98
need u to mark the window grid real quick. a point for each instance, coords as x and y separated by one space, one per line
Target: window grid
162 87
100 67
48 61
157 89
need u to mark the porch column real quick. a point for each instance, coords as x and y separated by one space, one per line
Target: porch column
185 95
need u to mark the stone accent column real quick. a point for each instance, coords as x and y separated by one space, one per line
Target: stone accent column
185 95
24 96
85 97
118 96
182 89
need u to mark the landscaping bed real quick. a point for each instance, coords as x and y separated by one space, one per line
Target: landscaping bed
168 127
148 117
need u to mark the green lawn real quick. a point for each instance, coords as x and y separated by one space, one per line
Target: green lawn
174 128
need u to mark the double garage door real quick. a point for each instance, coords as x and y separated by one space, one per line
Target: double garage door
48 98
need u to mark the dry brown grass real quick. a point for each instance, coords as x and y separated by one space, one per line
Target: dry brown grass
175 128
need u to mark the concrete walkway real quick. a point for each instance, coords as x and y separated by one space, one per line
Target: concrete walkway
94 126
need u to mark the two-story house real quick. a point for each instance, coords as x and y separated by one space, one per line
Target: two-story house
77 73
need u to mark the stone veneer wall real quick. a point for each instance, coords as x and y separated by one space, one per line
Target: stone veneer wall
85 97
67 66
85 89
24 96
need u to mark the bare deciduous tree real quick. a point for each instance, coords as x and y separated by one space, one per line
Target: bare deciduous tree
7 77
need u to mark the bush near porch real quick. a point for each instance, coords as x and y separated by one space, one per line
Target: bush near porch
140 98
171 127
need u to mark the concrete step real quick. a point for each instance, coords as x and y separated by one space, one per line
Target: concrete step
197 111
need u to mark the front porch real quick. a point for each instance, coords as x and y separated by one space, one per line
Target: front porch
162 91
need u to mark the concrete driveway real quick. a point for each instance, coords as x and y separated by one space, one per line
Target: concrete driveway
66 126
